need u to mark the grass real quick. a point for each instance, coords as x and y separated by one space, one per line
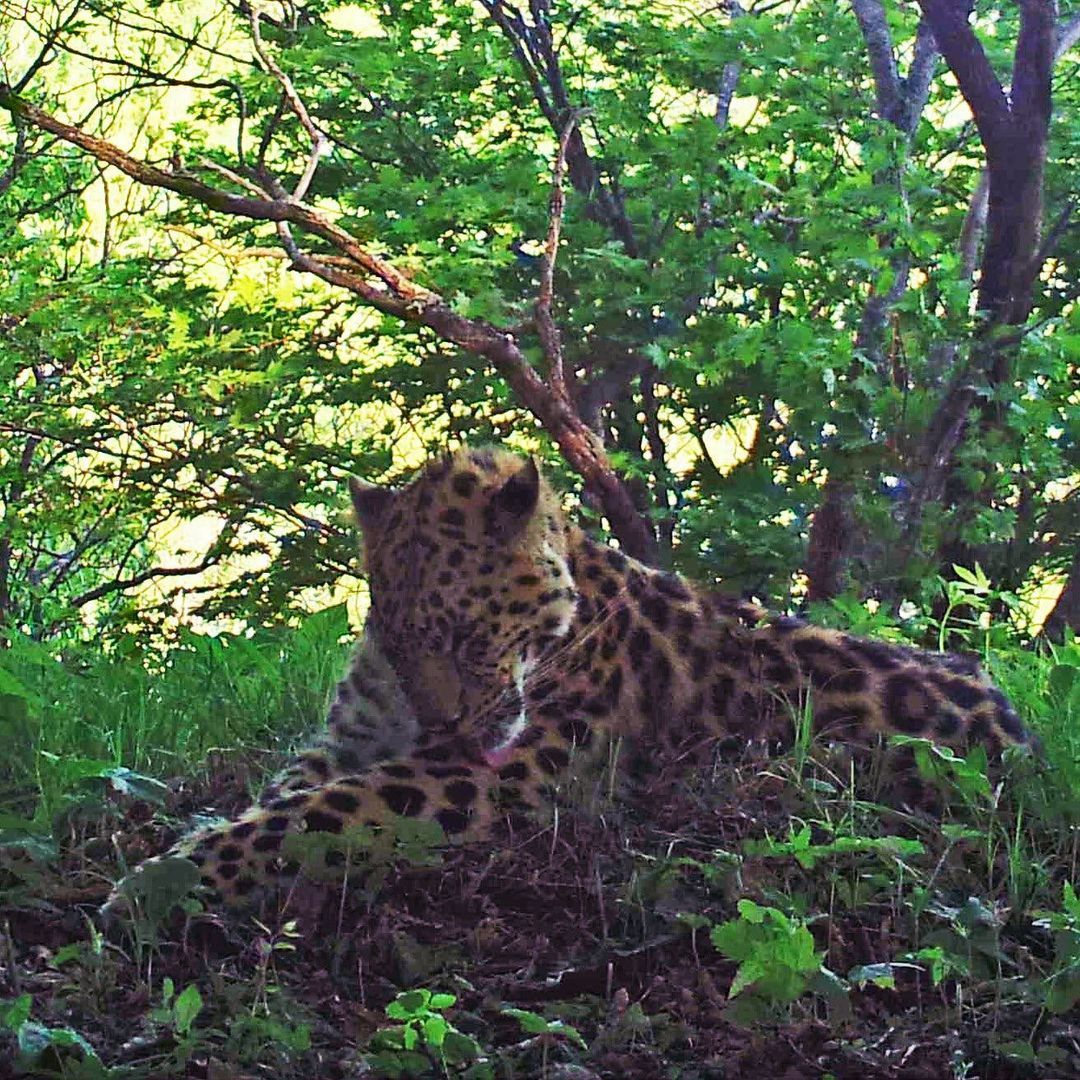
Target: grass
73 714
754 904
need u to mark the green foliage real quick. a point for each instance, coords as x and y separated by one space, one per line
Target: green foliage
1063 984
534 1024
776 955
963 774
808 854
422 1037
154 889
49 1051
156 369
92 727
367 854
179 1010
178 414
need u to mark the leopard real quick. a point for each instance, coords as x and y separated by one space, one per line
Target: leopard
370 720
507 644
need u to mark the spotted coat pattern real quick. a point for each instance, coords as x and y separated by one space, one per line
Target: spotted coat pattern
503 641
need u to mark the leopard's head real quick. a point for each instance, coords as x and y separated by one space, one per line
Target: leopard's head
470 587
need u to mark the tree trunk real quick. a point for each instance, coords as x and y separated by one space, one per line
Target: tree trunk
1013 129
830 543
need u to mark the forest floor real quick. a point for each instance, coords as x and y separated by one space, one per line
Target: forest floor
762 921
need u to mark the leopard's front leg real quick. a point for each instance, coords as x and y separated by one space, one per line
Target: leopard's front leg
441 782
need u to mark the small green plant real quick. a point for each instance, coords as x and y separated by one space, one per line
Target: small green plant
178 1011
777 959
422 1038
152 891
269 945
365 855
963 945
962 774
49 1051
546 1032
973 593
807 854
1061 990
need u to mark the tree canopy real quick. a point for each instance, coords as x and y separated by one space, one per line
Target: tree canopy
787 291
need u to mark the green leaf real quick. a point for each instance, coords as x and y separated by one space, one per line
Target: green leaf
14 1012
458 1048
35 1039
10 685
409 1004
186 1007
156 886
435 1029
1062 679
531 1023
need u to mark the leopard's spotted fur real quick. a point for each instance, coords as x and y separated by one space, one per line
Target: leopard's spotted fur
370 720
517 640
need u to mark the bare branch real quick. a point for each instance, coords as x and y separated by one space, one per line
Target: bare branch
319 141
223 201
973 227
232 176
550 338
1068 34
919 77
729 78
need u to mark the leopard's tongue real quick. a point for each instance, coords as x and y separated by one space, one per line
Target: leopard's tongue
498 756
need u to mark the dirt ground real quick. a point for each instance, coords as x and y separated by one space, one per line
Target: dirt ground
599 919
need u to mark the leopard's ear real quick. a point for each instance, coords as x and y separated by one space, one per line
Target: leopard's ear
370 502
513 505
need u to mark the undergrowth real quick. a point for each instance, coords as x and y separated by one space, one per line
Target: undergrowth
775 900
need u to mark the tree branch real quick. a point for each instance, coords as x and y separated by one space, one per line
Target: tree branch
223 201
122 584
1068 34
319 141
550 338
729 77
919 77
19 157
392 293
1033 64
966 59
535 50
879 48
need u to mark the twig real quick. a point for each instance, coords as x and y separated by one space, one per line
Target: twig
319 141
550 338
230 174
